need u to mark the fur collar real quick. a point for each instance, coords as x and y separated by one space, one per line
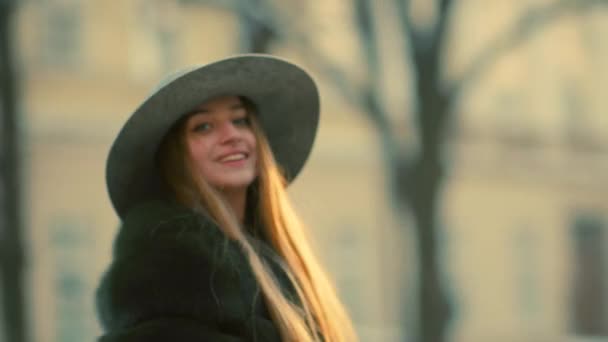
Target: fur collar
169 261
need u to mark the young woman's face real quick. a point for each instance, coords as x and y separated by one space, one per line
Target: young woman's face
221 143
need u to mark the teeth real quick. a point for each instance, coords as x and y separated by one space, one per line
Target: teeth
237 156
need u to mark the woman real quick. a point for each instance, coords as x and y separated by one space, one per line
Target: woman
210 248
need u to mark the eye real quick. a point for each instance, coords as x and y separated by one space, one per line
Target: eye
202 127
244 121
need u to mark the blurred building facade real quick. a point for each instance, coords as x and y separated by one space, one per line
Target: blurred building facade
525 242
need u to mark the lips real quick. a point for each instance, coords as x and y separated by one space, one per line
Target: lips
232 157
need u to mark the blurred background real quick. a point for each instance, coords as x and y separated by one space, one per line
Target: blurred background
457 190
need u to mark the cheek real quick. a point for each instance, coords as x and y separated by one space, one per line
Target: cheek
251 140
254 148
199 152
255 155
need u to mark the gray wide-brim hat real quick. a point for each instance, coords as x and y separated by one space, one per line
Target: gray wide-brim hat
285 96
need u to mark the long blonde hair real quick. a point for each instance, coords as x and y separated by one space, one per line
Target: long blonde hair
320 316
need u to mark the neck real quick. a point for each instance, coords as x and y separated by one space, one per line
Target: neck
237 199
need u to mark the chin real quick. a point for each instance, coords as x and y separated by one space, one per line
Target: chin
235 183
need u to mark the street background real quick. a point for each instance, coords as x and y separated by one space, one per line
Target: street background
457 190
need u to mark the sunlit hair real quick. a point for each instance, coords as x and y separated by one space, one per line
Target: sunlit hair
321 316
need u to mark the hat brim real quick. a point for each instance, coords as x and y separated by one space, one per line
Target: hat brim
285 96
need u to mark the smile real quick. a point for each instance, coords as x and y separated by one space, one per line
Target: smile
233 157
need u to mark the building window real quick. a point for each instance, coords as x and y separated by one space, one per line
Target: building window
589 283
153 49
70 245
61 34
528 252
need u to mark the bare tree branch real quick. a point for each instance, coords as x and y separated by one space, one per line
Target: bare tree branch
443 19
256 35
408 29
364 20
524 28
277 22
349 89
365 24
424 47
445 6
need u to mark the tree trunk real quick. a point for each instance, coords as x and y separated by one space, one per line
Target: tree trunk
11 247
256 36
428 175
433 306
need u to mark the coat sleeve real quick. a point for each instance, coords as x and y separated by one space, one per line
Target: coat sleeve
175 280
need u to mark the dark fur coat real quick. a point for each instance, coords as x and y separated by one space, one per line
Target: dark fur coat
176 277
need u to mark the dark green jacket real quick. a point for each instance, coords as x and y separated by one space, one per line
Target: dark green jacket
176 277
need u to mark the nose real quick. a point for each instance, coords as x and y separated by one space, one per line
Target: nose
229 132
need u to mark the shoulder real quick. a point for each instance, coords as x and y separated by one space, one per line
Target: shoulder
165 225
168 261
